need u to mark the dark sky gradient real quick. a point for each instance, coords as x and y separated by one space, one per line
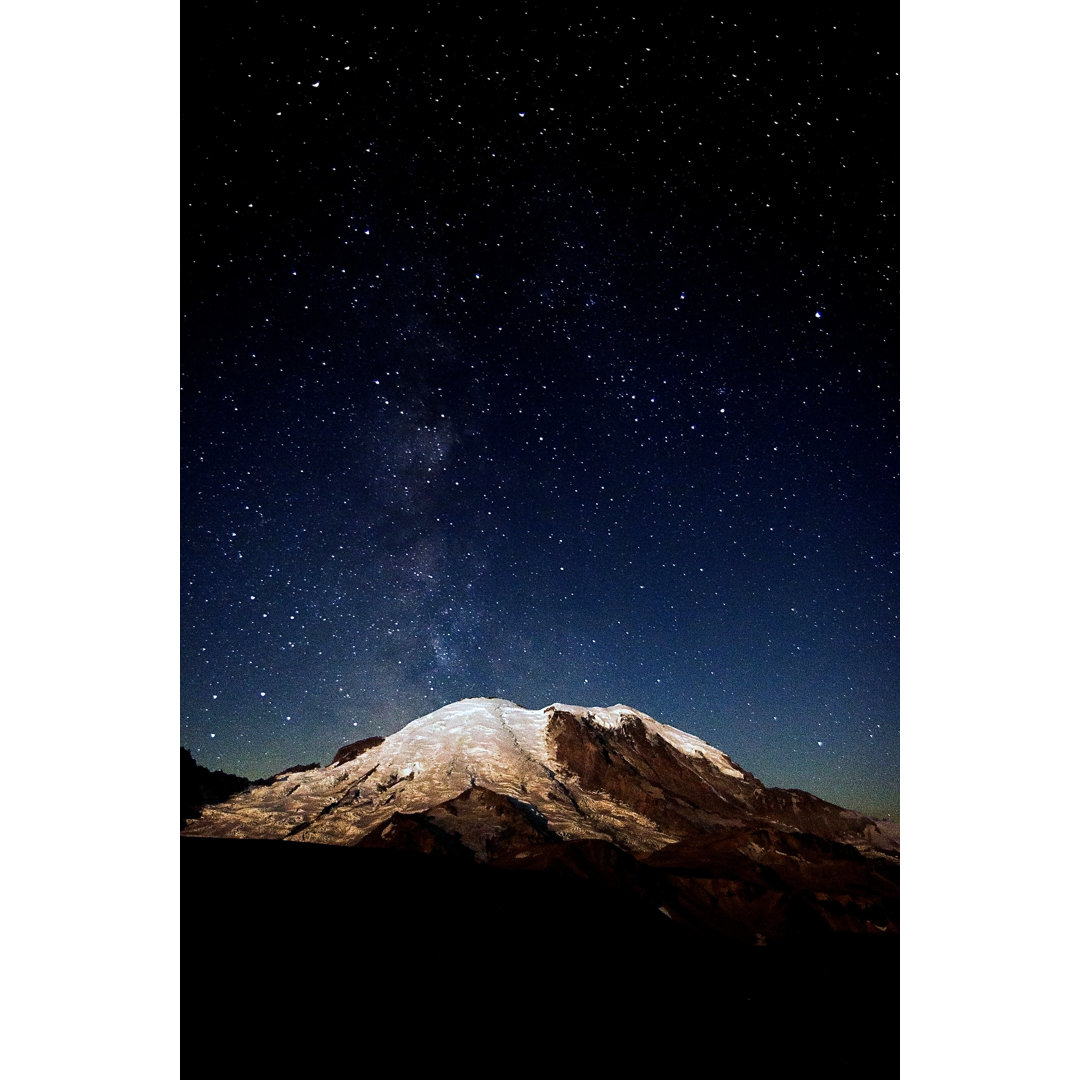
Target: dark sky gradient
549 355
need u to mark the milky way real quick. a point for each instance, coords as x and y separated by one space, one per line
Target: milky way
543 356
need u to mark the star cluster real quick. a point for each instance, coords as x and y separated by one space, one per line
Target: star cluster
549 355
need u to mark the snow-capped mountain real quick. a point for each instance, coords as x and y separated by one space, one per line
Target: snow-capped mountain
568 772
605 794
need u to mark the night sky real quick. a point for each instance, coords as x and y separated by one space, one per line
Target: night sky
549 355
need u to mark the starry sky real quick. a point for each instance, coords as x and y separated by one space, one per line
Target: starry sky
549 354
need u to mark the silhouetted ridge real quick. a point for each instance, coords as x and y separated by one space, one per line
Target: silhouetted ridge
200 787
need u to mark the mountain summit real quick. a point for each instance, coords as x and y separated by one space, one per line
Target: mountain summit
517 870
609 795
567 772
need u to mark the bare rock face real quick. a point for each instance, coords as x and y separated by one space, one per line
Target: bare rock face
286 773
606 794
353 750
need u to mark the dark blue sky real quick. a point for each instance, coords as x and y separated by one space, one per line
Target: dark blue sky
550 356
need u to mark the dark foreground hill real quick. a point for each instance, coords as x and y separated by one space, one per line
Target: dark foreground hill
297 954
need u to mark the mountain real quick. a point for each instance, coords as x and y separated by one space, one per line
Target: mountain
492 878
569 789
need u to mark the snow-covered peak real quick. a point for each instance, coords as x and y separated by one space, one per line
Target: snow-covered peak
466 711
527 755
474 729
497 725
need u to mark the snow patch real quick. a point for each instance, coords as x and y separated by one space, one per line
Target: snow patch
605 716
